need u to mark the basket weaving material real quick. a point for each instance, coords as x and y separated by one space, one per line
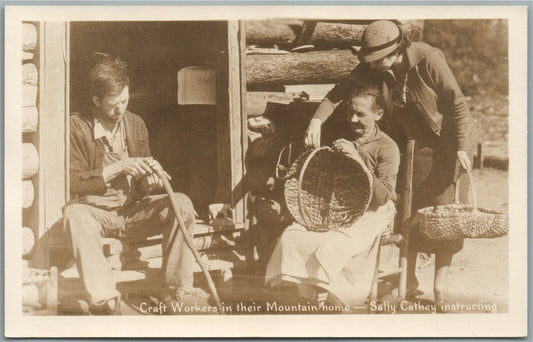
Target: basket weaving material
327 190
459 221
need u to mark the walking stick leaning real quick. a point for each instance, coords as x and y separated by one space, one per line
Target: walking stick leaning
161 174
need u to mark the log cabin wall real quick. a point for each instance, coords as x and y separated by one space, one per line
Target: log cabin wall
44 134
30 137
182 138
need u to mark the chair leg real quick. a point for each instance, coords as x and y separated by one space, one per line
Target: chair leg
407 195
51 291
374 289
402 287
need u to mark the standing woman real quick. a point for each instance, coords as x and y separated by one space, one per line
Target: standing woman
424 103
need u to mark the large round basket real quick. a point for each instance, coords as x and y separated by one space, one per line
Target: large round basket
327 190
459 221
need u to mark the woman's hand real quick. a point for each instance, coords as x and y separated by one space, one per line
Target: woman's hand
312 135
347 148
463 159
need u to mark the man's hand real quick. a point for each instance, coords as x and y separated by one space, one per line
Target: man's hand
155 166
347 148
150 182
138 168
463 159
135 167
312 135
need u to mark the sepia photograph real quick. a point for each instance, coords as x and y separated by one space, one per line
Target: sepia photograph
304 167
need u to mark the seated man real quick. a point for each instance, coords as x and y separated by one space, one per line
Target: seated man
343 262
111 171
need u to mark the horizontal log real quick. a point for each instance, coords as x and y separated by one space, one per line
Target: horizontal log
28 240
29 37
285 34
330 35
30 75
272 31
30 161
28 194
326 34
202 243
272 72
29 95
30 118
27 56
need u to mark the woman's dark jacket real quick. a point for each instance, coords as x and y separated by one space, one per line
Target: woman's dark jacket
434 89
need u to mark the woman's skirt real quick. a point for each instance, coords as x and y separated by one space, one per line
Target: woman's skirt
339 261
436 171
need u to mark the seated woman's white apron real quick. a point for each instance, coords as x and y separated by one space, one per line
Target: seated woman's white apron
339 261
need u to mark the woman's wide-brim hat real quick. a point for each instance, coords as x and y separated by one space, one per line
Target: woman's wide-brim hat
379 39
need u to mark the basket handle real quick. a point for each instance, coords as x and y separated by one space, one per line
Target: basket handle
279 166
472 190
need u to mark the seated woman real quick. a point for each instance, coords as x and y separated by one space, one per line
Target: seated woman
343 262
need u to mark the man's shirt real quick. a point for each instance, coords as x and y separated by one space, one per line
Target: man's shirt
118 188
89 151
115 140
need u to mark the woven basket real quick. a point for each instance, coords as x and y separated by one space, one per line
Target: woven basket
459 221
327 190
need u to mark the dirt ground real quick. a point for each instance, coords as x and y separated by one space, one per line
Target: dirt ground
491 116
479 273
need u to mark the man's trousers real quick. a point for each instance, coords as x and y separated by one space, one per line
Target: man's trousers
86 226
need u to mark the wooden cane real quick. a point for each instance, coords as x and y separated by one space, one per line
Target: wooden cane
161 174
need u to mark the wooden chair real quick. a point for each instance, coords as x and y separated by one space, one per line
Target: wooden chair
401 223
219 244
138 263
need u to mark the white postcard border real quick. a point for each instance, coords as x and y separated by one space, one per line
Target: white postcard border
513 323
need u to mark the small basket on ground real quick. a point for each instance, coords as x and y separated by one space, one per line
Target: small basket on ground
460 221
327 190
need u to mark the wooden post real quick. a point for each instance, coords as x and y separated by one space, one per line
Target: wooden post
479 160
52 133
405 214
52 129
231 119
